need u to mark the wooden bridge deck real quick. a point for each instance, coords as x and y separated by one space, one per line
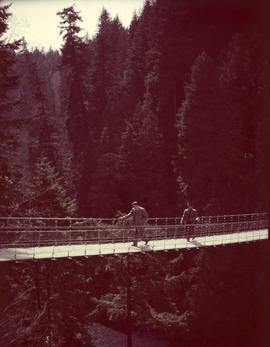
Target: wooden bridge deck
92 249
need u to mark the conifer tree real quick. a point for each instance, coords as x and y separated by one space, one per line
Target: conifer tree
40 129
73 71
23 321
107 74
106 113
48 196
217 127
7 82
141 148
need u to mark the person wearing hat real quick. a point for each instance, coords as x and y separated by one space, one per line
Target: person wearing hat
139 215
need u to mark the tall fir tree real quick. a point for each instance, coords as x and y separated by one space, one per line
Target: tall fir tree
7 82
73 70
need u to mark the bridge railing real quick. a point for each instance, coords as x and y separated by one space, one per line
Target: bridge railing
15 231
63 223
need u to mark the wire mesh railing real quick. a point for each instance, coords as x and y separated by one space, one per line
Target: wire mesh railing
40 231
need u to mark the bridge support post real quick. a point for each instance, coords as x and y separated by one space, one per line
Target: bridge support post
36 270
129 326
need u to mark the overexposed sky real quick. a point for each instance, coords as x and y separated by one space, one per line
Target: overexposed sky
37 21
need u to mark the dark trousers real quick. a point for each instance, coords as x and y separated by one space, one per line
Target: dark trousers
190 231
139 233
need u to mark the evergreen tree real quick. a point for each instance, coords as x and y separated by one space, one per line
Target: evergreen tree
40 133
7 51
110 186
39 129
78 127
199 159
7 82
109 51
244 82
140 32
106 114
73 69
141 148
47 195
23 318
39 308
217 124
67 283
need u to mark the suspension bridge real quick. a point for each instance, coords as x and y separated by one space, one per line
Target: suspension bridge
23 238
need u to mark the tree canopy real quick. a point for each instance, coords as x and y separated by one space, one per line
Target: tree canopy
173 108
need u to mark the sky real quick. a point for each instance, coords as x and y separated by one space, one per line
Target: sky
37 22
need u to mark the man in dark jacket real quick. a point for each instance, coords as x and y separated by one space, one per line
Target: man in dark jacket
139 215
190 216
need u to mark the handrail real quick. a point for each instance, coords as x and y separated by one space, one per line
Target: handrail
113 221
14 235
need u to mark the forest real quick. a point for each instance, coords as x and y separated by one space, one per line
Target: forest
216 296
172 109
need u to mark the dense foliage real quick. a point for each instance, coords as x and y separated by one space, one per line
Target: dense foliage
8 81
170 109
188 298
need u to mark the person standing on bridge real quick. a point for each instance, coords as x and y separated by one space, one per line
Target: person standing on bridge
140 216
190 216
